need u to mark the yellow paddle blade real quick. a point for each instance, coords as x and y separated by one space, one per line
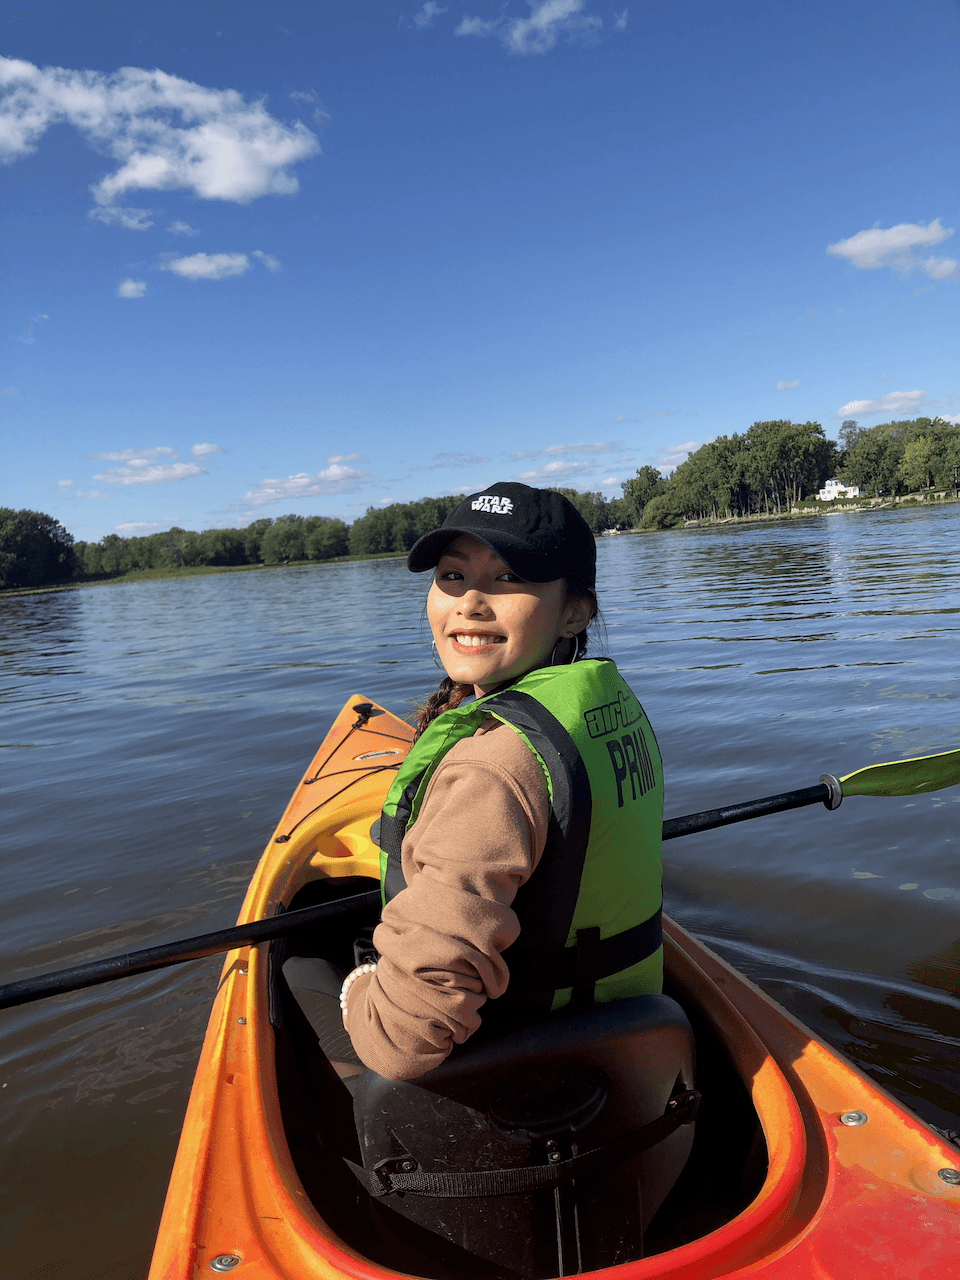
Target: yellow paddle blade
905 777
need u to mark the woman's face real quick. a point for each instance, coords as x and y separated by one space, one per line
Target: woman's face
491 626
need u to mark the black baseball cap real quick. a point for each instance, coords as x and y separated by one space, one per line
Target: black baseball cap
539 533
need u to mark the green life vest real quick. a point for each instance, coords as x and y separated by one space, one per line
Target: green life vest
590 913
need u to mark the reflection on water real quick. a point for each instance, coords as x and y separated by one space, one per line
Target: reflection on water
155 732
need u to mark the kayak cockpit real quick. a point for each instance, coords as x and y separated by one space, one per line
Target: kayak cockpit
573 1091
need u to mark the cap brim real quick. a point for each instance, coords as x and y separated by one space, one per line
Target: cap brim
514 552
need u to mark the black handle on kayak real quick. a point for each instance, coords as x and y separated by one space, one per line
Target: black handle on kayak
171 953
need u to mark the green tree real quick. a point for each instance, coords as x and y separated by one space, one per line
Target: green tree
326 538
639 489
621 514
34 549
592 506
920 459
283 541
252 538
661 513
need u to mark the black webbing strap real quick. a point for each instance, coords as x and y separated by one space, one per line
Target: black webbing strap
552 969
403 1174
588 965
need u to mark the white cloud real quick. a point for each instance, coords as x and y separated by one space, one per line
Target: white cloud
180 228
788 386
620 418
562 450
268 260
130 528
65 484
424 17
143 471
478 27
941 268
129 218
165 133
953 419
94 494
896 248
609 481
333 479
346 457
621 20
28 338
557 471
893 402
125 455
131 288
204 450
539 33
671 457
443 460
208 266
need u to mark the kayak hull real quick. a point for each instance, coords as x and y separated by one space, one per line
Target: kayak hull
838 1200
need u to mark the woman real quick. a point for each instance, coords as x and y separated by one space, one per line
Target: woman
521 838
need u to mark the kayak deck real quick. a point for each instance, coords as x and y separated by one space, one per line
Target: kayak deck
778 1186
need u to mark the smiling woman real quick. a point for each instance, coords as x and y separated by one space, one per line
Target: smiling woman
520 841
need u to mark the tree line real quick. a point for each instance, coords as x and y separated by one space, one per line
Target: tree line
774 466
36 549
770 468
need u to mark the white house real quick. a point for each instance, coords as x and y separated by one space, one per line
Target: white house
834 489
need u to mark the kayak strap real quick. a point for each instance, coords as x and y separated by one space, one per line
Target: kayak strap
402 1173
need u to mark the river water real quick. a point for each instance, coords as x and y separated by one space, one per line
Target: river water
153 732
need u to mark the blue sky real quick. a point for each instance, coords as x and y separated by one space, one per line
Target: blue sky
317 256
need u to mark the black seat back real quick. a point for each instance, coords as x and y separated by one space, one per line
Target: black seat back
538 1094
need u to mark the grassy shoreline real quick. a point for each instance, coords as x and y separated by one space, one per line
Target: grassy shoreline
188 571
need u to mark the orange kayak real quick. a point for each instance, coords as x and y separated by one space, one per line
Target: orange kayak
802 1168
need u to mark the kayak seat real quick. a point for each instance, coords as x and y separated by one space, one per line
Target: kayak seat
537 1151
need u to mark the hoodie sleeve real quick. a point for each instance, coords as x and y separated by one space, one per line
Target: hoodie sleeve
478 836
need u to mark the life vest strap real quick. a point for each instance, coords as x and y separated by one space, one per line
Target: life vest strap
552 969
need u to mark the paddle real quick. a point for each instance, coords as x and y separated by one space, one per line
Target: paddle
898 778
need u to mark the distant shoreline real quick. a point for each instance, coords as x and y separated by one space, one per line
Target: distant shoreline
188 571
816 508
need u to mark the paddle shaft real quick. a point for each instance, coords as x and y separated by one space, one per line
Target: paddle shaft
171 953
824 793
209 944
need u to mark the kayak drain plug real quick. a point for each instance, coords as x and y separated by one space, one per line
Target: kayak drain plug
853 1118
950 1176
225 1262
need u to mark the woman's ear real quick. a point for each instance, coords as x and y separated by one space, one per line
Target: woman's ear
576 615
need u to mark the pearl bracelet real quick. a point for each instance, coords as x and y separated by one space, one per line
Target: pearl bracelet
351 978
